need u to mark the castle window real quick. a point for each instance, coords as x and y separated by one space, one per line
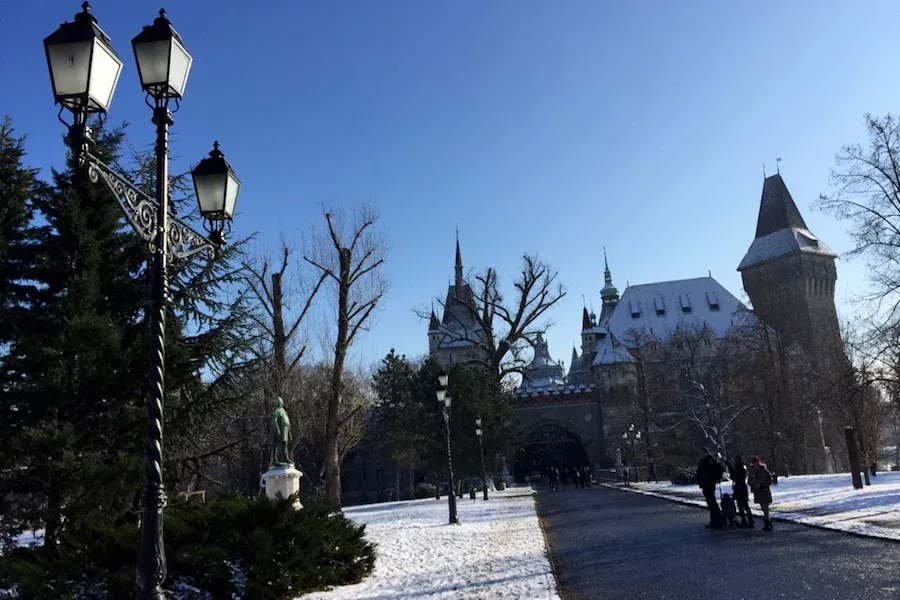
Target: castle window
660 306
635 309
706 341
712 300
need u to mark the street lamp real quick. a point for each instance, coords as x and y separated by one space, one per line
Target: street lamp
443 397
633 436
84 71
479 431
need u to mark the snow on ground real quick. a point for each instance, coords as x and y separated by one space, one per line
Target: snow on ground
496 552
823 500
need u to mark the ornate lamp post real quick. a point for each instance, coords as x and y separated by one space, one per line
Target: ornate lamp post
443 397
479 431
84 71
632 437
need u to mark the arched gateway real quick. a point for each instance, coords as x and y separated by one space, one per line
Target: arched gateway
549 444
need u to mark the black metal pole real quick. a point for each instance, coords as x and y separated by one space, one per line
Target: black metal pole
483 471
451 497
151 569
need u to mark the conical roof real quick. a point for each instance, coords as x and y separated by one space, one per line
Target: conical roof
776 208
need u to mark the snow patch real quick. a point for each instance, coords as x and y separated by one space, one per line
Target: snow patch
496 552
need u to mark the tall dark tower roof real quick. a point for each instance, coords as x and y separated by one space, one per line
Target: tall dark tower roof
780 229
776 208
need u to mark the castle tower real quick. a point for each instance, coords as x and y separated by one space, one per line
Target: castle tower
609 294
434 333
457 336
790 276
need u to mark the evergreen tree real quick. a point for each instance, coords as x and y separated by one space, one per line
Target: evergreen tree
18 187
78 362
75 393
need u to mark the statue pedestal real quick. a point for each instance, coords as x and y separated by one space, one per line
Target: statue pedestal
282 482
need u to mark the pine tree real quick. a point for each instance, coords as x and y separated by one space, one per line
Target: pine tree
76 395
18 187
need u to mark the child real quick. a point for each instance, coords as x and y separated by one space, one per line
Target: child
729 510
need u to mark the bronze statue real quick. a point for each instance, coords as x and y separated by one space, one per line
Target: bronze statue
281 435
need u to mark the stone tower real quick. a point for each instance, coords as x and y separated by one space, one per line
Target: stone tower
457 337
790 275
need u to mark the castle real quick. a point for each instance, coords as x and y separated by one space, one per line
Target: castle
579 414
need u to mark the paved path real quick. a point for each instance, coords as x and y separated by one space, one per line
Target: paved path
611 544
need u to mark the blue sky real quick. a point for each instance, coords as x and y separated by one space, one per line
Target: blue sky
548 127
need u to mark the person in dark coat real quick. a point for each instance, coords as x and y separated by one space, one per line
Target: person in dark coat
651 472
564 477
709 473
741 492
554 479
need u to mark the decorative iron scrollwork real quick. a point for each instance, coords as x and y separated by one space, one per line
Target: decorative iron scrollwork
183 241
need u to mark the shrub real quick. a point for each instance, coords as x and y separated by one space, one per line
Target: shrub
230 547
684 476
425 490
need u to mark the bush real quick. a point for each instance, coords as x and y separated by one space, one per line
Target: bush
425 490
684 476
230 547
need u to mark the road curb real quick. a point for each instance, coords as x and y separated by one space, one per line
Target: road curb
772 515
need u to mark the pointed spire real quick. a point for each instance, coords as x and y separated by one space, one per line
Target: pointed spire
433 323
574 355
607 276
776 208
459 266
585 319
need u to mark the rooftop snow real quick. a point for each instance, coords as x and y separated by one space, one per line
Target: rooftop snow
639 299
783 243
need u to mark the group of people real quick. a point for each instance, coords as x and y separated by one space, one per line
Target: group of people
756 478
580 477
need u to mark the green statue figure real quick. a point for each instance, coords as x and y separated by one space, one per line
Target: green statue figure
281 435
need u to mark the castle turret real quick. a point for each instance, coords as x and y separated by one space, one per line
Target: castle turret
790 276
609 294
434 333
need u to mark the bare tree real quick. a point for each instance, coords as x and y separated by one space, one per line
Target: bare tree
351 255
708 394
866 182
500 331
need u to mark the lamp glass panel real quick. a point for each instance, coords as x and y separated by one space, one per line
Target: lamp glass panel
443 378
478 432
153 62
447 401
441 395
231 194
70 66
210 193
105 69
179 67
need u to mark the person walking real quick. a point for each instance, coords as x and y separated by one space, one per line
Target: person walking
761 484
564 477
554 478
741 492
651 472
625 474
709 473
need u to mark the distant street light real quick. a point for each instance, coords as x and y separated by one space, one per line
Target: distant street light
443 397
479 431
84 71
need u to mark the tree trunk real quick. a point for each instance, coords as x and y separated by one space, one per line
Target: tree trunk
332 427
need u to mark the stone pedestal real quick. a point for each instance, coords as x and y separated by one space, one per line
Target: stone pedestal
282 482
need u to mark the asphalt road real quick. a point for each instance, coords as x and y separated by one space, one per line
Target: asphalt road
612 544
